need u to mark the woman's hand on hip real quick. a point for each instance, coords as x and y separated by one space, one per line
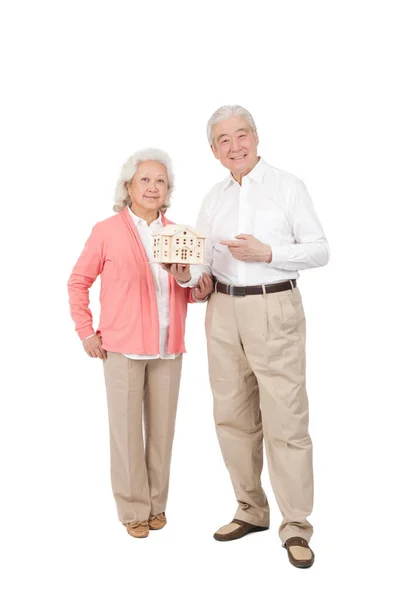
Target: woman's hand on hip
204 288
93 347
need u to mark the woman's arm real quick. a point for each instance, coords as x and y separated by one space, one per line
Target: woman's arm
88 267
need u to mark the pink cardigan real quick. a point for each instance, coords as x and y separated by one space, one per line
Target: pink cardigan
129 312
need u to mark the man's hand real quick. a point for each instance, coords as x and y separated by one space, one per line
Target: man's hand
204 287
93 347
179 271
247 247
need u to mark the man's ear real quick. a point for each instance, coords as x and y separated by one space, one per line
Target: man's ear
214 151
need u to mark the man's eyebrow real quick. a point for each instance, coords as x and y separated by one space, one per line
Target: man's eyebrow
237 131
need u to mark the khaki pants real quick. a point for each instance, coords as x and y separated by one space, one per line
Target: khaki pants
256 352
140 467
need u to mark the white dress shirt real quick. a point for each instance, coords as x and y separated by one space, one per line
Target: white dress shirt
275 207
161 283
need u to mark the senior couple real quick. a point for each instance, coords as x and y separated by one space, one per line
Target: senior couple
261 229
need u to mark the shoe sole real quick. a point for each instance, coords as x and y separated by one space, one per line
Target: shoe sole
221 538
300 566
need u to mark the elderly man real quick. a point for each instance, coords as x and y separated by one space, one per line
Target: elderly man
261 229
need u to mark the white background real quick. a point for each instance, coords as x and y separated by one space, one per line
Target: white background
85 84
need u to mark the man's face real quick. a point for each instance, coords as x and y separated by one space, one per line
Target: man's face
235 145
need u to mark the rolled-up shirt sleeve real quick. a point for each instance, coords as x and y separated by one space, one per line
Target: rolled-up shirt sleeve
310 248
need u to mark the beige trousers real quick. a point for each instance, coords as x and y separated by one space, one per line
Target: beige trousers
140 464
256 353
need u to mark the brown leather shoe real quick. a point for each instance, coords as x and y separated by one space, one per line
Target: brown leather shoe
138 529
235 530
157 521
299 552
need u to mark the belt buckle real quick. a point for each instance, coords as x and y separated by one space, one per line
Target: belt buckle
239 291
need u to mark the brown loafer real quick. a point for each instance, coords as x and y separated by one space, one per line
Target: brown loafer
299 552
157 521
235 530
138 529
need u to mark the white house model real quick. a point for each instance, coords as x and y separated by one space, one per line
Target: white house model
178 244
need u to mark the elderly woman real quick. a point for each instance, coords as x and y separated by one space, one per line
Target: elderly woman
140 337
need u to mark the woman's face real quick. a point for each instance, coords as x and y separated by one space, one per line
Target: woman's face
149 186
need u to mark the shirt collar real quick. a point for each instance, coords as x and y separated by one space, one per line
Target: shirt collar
139 221
256 174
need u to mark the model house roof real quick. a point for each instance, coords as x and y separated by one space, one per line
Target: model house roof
173 229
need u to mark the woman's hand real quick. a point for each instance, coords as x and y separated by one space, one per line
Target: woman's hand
93 347
179 271
204 288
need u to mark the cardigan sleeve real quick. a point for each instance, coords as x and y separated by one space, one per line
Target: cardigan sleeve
85 272
190 298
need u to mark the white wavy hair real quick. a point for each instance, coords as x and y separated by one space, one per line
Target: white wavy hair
226 112
121 196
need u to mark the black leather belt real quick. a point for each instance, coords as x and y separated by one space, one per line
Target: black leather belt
250 290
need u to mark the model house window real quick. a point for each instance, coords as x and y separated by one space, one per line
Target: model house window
166 243
198 255
199 244
184 253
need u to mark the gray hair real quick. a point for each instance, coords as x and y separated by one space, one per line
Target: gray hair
226 112
121 196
